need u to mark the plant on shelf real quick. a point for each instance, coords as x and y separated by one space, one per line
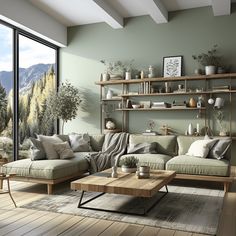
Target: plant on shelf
129 164
209 60
65 103
117 69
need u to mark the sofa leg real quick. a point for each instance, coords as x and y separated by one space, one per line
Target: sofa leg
49 187
226 187
1 183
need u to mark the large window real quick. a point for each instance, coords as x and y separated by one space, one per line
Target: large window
6 92
24 88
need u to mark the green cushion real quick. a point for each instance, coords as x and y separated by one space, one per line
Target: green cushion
96 142
166 144
155 161
48 169
198 166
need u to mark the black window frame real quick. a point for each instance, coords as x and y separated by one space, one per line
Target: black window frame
15 67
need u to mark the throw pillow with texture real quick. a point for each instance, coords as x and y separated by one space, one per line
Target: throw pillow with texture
36 150
64 150
80 142
142 148
200 148
220 148
48 142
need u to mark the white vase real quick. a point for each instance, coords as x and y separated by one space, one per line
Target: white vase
105 76
210 70
190 129
127 75
109 94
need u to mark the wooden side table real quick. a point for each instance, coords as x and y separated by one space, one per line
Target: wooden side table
7 178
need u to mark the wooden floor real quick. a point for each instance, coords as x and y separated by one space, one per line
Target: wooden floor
19 221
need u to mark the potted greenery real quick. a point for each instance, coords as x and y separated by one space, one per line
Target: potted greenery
209 60
65 103
129 164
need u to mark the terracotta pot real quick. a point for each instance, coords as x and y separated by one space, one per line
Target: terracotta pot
192 102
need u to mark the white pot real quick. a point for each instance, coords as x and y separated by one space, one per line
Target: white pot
127 75
105 76
128 170
210 70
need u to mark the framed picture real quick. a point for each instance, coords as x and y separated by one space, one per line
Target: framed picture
172 66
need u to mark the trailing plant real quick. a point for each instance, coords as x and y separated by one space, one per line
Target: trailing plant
65 103
208 59
130 162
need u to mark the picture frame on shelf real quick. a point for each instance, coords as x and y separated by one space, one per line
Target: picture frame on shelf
172 66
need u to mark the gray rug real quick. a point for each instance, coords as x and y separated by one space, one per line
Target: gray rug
183 208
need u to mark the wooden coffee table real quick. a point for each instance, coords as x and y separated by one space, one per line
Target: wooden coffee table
126 184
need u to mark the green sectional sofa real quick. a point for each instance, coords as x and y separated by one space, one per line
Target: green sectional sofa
170 155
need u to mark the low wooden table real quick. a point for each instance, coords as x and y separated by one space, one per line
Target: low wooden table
126 184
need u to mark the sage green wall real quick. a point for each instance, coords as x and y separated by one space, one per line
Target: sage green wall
188 32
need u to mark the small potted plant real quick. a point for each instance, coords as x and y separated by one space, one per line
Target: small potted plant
129 164
115 69
209 60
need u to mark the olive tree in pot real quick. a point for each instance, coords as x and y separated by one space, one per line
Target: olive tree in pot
65 103
129 164
209 60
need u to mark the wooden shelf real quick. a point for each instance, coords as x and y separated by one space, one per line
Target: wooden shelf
169 94
161 109
163 79
112 99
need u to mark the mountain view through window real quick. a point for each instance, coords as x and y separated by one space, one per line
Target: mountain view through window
35 83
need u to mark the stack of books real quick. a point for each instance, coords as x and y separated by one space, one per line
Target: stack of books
157 105
220 88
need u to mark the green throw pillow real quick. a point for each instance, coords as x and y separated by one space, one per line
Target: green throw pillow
36 150
142 148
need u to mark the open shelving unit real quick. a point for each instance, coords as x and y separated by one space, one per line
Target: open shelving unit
206 92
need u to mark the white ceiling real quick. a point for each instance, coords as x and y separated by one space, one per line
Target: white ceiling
79 12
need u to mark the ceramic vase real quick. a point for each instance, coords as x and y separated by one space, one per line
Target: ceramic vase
210 70
190 129
192 102
127 75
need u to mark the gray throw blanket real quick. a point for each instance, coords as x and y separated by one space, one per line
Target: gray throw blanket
113 147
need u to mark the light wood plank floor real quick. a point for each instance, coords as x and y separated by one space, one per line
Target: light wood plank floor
19 221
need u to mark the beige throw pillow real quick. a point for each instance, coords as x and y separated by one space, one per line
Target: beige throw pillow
64 150
200 148
48 142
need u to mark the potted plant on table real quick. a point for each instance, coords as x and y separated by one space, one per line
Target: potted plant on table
209 60
129 164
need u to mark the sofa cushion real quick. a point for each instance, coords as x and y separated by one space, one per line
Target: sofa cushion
184 164
141 148
48 169
80 142
184 143
36 150
220 148
201 148
96 142
48 142
64 150
165 144
155 161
